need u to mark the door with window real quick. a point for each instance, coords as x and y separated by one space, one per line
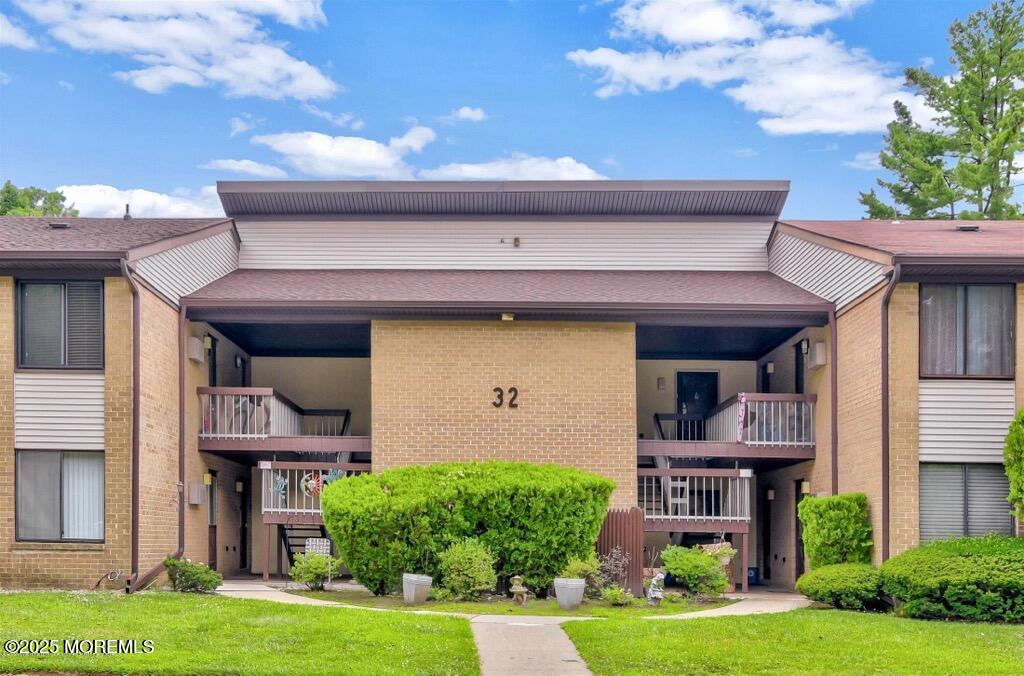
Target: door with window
212 490
696 396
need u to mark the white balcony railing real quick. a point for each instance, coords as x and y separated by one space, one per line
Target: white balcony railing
293 489
754 419
695 494
244 413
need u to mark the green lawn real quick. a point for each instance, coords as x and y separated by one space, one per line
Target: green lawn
212 634
803 641
507 607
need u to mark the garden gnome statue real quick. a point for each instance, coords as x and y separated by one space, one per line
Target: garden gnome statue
657 590
518 590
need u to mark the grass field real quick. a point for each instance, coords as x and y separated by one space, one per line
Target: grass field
212 634
803 641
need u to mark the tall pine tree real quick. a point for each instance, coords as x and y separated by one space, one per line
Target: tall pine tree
965 168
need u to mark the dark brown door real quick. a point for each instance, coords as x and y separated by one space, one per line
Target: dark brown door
764 514
212 494
798 529
696 395
243 529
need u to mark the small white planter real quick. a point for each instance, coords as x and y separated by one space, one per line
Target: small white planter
569 592
416 588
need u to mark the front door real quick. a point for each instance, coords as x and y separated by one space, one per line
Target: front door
243 528
696 395
212 494
799 530
764 514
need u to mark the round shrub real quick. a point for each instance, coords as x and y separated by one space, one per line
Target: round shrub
836 529
695 570
855 586
531 518
979 579
616 596
314 570
467 569
589 569
196 578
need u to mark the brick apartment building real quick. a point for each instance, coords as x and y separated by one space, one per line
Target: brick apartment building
187 386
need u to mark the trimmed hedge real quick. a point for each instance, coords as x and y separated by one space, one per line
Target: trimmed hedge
695 570
855 586
979 579
467 570
532 518
836 529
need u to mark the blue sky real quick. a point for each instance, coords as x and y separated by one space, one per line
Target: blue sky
152 102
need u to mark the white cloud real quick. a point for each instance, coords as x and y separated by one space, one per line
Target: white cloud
196 44
516 167
107 201
246 167
15 36
326 156
348 120
867 161
65 85
469 114
241 124
762 54
4 78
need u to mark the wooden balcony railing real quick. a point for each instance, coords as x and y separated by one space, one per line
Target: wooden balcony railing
253 413
695 495
753 419
291 490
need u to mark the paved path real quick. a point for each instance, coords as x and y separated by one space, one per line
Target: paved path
516 645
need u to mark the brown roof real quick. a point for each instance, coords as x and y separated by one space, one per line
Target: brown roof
110 236
1001 239
467 288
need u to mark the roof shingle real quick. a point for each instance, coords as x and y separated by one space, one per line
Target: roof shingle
1002 239
86 235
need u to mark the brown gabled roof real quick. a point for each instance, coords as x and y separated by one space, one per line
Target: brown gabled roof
101 237
512 288
925 239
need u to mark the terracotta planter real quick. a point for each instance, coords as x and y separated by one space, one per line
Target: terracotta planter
416 588
569 592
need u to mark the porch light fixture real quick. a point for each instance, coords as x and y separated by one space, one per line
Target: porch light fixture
238 361
770 494
507 316
661 382
769 367
207 479
805 346
805 487
239 486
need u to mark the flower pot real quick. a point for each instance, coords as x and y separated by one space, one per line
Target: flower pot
569 592
415 588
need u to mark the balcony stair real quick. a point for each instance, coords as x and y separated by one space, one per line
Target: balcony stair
294 535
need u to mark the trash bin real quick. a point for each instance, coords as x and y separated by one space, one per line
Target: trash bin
752 576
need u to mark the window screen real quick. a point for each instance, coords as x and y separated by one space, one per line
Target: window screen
60 495
963 499
61 324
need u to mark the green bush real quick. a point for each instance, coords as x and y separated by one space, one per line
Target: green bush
856 586
589 569
532 518
695 570
467 569
836 529
314 570
196 578
616 595
979 579
1013 461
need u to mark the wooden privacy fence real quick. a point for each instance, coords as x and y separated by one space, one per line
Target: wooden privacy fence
625 528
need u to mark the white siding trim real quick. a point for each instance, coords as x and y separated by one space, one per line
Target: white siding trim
964 420
834 275
183 269
58 411
488 245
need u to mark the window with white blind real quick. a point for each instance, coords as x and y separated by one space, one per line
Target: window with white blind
60 324
967 330
59 496
963 499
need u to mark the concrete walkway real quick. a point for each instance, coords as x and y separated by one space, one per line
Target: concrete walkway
515 645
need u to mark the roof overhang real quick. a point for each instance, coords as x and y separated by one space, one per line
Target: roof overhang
763 198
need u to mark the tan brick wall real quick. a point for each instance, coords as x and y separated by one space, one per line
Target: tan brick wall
904 438
158 432
432 387
859 406
50 565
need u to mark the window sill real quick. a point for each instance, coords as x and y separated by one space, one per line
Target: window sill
57 546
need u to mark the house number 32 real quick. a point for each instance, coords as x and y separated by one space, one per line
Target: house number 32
499 397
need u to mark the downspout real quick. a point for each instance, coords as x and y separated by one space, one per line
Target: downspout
890 287
136 382
137 582
833 331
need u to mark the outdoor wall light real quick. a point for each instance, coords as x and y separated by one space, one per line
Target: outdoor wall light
661 382
207 479
238 361
805 487
239 486
770 494
805 346
769 367
507 316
